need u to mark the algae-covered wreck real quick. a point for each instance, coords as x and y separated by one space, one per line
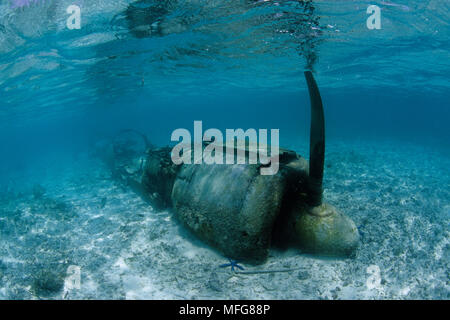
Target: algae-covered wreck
236 209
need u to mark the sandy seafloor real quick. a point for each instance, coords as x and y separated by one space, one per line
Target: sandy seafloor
397 194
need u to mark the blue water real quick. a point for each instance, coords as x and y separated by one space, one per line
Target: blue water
231 64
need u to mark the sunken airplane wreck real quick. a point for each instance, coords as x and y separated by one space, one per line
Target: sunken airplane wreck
234 208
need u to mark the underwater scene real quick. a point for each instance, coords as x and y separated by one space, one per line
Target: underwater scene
224 149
